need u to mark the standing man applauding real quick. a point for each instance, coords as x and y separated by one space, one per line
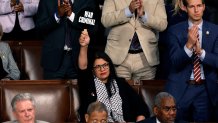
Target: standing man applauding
132 43
57 21
193 46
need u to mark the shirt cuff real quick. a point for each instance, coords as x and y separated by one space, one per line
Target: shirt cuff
188 51
57 18
144 18
71 17
202 56
128 13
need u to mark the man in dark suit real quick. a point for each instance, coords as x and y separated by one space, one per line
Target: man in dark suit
194 86
58 22
164 110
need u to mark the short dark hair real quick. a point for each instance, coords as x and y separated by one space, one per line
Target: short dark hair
96 106
185 2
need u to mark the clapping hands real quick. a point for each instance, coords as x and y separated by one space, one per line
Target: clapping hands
137 5
18 7
193 40
64 8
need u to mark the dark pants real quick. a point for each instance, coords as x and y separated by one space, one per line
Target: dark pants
195 105
67 69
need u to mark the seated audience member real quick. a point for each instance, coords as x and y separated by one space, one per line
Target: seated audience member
16 17
164 109
23 106
8 67
96 113
98 82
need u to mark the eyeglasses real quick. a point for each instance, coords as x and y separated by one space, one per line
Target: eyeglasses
100 67
168 109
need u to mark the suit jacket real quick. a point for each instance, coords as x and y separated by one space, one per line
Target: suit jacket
15 121
182 64
154 119
123 29
54 33
8 17
132 104
8 62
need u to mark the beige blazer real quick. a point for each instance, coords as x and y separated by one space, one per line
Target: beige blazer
123 28
8 16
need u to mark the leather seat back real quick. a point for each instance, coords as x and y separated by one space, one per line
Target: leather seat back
54 100
149 89
32 57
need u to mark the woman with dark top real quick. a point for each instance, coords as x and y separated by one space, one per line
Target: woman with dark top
8 67
98 81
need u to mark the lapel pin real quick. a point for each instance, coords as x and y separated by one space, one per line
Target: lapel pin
207 32
92 94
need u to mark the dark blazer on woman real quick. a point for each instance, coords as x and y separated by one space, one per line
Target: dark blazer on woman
132 104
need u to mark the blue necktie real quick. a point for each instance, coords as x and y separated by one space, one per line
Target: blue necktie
135 45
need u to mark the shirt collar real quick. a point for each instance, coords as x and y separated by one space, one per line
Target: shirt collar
157 121
190 24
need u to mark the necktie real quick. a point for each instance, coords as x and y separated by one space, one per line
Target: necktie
67 35
68 31
197 69
135 45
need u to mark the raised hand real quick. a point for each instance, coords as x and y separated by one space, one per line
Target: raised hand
84 38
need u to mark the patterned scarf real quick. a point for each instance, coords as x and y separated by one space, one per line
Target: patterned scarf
113 103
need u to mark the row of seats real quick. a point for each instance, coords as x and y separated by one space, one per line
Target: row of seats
57 101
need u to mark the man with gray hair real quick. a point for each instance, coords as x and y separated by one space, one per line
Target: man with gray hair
23 106
96 113
164 109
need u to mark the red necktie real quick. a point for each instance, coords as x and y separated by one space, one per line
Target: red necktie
197 69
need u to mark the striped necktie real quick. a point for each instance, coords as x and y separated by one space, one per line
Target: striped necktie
197 69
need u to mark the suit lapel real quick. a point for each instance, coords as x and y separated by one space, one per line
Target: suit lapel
206 38
184 31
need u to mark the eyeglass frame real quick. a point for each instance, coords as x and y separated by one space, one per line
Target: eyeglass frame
168 109
99 67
